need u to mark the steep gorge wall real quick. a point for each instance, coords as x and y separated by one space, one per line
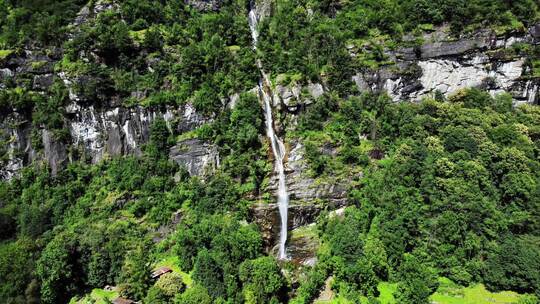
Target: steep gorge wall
96 128
105 127
444 64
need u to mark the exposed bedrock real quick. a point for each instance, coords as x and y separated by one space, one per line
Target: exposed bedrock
266 216
480 60
197 156
302 187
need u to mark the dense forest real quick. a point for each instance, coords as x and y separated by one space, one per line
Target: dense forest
442 193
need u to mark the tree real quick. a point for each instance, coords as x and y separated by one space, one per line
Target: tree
16 266
194 295
510 266
262 280
171 284
208 272
59 270
418 281
159 139
136 273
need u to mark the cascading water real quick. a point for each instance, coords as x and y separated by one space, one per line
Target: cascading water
278 148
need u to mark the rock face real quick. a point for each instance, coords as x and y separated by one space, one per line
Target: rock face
104 127
196 155
302 188
308 198
482 60
204 5
267 217
120 130
95 128
294 96
94 134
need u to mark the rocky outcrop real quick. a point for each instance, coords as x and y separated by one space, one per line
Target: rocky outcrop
302 187
267 217
96 127
481 60
94 134
303 245
196 156
120 130
308 198
294 96
205 5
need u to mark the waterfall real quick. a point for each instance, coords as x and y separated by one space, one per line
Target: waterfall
278 148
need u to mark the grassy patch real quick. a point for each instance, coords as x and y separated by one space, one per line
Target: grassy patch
308 231
172 263
536 68
451 293
5 53
97 296
187 135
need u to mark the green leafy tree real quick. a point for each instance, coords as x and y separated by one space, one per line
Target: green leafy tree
194 295
208 272
510 265
59 270
136 273
16 267
418 281
262 280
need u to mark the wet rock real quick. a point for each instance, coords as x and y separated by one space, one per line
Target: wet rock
267 217
303 244
302 187
197 156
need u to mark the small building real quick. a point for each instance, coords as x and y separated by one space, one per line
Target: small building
122 301
160 271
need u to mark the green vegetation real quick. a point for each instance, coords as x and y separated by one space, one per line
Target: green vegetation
455 195
442 194
309 38
43 22
172 55
97 296
451 293
5 53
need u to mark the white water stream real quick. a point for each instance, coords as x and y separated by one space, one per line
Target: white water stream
278 148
